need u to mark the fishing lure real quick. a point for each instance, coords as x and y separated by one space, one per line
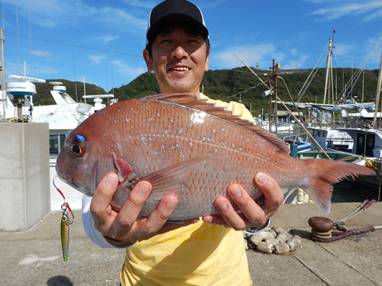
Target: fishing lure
67 219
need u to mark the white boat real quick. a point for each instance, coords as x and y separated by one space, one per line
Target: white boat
333 138
62 117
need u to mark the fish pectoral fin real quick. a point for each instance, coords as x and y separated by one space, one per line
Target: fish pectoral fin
124 169
171 178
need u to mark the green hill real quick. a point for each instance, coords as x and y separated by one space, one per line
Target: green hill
240 84
237 84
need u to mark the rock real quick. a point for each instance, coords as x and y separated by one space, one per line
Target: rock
272 241
282 248
260 236
265 247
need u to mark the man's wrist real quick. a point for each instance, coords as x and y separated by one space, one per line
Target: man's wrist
117 243
261 227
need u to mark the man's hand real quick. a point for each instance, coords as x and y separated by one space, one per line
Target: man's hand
252 215
124 228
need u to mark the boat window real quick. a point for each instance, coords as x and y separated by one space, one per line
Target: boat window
68 99
53 145
56 142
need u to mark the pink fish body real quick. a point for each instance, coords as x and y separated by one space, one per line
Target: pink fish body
183 145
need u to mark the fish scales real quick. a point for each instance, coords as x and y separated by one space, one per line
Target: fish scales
150 135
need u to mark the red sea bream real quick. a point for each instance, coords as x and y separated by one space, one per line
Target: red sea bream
188 146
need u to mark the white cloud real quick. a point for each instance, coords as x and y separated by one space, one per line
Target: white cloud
343 49
212 3
367 9
252 55
120 18
296 63
141 3
127 70
293 51
374 15
260 55
373 51
44 71
97 59
40 53
50 13
107 38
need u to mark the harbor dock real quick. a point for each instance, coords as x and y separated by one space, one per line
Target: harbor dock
33 257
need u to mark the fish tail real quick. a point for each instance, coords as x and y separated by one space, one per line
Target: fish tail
325 173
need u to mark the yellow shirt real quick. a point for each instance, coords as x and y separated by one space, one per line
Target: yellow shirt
197 254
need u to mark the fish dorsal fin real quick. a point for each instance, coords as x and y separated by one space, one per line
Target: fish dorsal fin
192 101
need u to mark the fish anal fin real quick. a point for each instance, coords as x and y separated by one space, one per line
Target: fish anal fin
192 101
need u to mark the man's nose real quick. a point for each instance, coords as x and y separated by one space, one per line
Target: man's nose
179 51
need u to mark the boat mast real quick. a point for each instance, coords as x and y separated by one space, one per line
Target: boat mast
3 97
378 94
275 86
363 86
329 67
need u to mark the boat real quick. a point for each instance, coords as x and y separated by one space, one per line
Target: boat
62 117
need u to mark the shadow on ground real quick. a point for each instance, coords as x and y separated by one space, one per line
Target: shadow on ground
59 281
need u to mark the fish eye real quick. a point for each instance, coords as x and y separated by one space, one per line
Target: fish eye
78 150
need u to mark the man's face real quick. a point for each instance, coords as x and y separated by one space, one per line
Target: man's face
179 60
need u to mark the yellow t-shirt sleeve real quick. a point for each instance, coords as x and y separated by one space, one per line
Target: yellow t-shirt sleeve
236 108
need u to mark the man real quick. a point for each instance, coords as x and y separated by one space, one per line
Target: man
206 251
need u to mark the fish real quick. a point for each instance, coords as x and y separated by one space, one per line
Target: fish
192 148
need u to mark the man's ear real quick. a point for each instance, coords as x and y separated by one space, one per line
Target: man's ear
148 60
207 63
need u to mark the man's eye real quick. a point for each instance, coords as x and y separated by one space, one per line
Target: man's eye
193 42
165 42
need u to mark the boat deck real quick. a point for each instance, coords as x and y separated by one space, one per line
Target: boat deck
34 257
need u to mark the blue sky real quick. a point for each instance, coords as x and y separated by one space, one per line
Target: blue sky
102 41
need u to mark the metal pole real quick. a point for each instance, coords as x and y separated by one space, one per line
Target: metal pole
276 68
378 94
363 86
3 97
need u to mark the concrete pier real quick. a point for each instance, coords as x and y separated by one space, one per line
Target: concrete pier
24 174
34 257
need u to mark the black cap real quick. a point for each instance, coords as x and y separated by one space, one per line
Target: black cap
180 9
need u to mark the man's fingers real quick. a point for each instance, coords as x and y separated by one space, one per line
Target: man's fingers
215 219
100 205
147 227
132 207
231 217
271 191
253 213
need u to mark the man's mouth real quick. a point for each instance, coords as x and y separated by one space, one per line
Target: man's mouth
180 68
